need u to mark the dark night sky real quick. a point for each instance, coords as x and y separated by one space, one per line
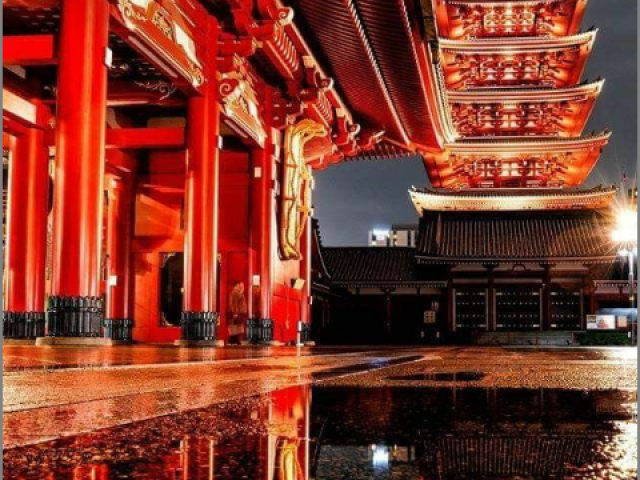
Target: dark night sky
351 198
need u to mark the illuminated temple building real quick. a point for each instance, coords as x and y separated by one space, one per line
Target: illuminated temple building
160 158
508 240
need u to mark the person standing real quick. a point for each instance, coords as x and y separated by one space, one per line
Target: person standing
238 313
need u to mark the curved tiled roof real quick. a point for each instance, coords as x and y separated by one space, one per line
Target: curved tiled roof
368 46
545 237
511 199
370 264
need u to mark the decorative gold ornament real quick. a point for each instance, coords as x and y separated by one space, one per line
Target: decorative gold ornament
130 12
166 31
165 89
240 102
295 204
160 20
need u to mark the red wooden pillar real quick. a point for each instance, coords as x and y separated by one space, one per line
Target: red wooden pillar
79 172
263 220
305 274
262 226
119 236
26 235
201 206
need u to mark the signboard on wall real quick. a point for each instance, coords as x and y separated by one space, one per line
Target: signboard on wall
601 322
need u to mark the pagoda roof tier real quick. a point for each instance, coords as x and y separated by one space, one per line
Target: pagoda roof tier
523 112
541 237
525 61
467 19
515 162
511 199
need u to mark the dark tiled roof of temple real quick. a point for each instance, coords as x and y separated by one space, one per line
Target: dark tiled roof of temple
448 237
370 264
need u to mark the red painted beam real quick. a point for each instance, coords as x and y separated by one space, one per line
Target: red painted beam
127 94
29 50
130 97
142 138
31 3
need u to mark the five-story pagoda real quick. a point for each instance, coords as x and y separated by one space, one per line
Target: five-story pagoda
505 218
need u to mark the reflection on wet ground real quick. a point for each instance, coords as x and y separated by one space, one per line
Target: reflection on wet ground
40 406
473 433
446 413
304 432
340 372
30 357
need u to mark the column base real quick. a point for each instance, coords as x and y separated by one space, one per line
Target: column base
260 331
23 325
75 317
304 332
199 343
199 326
79 341
118 329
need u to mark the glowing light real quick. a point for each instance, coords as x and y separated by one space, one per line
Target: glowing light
626 228
381 234
380 456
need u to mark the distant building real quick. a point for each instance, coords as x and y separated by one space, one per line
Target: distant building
476 274
398 236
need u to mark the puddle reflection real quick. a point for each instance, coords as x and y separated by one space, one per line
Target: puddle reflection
304 433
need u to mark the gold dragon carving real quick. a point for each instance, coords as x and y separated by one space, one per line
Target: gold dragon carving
295 205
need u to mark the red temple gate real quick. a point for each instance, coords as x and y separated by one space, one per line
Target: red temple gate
167 125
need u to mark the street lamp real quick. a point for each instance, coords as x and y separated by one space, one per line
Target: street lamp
625 235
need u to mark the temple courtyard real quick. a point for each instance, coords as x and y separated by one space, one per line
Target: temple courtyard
159 412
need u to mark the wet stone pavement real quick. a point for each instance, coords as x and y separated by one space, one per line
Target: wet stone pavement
422 413
30 357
